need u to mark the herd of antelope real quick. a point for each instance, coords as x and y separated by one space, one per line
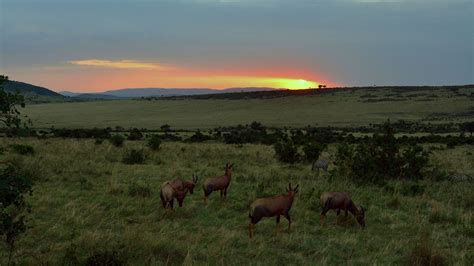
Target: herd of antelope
264 207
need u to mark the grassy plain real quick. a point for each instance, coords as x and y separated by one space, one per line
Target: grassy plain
85 203
341 108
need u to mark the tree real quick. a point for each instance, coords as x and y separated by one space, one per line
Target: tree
10 116
312 151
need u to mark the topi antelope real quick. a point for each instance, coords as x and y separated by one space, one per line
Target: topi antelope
220 183
341 201
176 188
270 207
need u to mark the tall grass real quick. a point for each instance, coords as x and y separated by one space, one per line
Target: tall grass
87 205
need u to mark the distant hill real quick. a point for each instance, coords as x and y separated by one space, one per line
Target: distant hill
69 93
95 96
160 92
33 93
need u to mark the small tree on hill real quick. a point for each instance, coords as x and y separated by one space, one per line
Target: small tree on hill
10 116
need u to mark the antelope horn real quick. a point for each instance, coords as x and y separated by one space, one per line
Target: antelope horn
289 186
297 187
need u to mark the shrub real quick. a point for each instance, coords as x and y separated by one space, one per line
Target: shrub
154 142
414 159
286 151
312 151
98 141
135 134
13 188
134 156
117 140
380 158
198 137
23 149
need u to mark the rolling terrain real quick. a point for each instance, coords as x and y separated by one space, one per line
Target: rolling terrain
331 108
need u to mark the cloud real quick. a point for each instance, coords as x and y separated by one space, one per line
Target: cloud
122 64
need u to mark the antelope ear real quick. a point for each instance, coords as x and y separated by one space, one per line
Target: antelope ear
231 165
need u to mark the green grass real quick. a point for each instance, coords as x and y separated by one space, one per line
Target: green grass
342 108
86 202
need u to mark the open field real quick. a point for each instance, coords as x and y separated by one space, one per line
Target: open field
85 203
341 108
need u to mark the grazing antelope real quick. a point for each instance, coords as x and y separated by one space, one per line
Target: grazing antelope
270 207
176 188
220 183
320 164
341 201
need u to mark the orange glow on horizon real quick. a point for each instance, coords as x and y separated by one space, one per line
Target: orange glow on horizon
94 75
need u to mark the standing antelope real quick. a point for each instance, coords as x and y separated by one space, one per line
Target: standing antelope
220 183
270 207
176 188
320 164
341 201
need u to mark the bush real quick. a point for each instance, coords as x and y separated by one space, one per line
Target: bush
286 151
117 140
135 134
380 158
199 137
23 149
134 157
13 188
154 142
98 141
312 151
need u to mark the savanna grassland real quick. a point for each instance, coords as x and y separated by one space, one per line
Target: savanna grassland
354 107
86 202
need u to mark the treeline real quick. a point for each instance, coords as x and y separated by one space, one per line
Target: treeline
257 133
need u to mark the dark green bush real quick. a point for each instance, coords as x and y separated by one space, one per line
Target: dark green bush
154 142
380 158
13 188
134 157
199 137
286 151
23 149
98 141
117 140
312 151
135 134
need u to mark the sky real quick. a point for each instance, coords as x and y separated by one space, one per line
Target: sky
88 46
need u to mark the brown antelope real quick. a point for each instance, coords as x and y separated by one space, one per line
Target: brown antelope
220 183
176 188
270 207
341 201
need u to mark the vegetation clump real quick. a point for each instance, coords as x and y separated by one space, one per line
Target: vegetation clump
381 157
117 140
154 142
134 156
13 207
23 149
135 134
286 151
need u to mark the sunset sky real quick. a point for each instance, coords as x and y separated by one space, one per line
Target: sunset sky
84 45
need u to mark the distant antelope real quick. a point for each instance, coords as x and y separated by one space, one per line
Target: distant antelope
341 201
176 188
320 164
270 207
220 183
